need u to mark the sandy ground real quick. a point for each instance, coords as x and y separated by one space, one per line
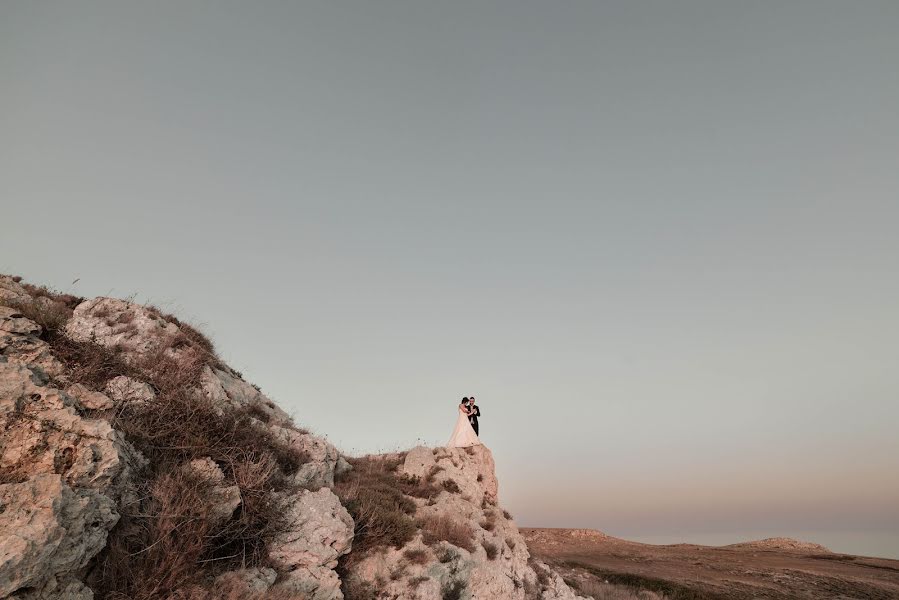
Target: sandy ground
779 569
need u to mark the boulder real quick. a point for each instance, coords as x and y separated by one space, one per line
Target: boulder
89 399
223 499
127 389
111 322
48 529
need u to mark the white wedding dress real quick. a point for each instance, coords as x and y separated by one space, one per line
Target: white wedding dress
463 435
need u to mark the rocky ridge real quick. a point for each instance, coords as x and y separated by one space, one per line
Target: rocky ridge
78 378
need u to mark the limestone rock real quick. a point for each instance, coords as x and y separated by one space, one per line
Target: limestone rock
321 531
494 563
472 469
127 389
111 322
319 470
13 321
41 432
11 290
223 499
66 587
88 398
225 388
47 529
19 342
258 579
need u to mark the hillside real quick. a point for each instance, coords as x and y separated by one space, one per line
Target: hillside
771 569
135 464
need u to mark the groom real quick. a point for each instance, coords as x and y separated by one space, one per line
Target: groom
475 412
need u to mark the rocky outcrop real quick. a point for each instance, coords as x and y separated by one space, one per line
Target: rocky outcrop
488 559
19 342
229 392
41 432
47 531
320 532
114 323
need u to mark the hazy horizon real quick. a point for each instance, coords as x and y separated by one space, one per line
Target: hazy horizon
658 241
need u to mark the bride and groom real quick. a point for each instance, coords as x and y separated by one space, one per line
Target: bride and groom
466 432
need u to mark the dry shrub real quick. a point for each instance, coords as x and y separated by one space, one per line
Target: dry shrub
398 572
190 333
90 364
154 552
507 515
491 549
446 554
452 590
543 577
489 522
436 528
417 581
451 486
416 556
50 314
372 493
356 588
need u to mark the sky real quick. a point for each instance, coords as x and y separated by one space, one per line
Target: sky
656 240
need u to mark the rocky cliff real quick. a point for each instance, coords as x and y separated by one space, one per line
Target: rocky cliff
135 464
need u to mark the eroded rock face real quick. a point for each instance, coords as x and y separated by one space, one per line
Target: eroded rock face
124 389
11 290
495 563
321 532
111 322
89 399
19 343
48 529
42 433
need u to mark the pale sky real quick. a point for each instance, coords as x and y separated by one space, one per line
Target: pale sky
657 240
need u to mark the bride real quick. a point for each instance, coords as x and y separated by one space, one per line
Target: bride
463 435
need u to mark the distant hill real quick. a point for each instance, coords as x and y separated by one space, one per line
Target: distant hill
774 568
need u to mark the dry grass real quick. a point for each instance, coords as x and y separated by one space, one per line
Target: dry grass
373 494
48 312
445 528
491 549
489 522
416 556
451 486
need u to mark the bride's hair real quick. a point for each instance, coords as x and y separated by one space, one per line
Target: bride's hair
465 399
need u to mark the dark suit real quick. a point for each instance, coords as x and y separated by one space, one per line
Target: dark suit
473 417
